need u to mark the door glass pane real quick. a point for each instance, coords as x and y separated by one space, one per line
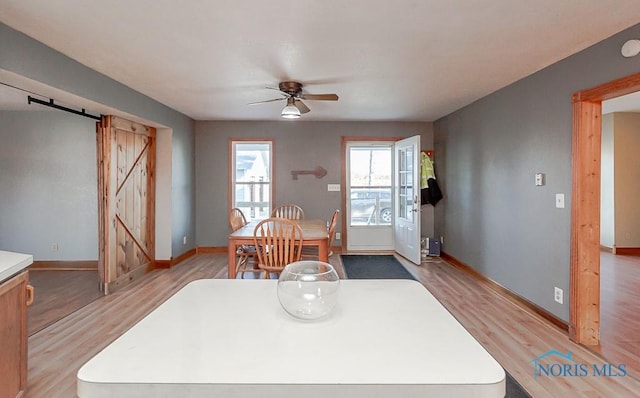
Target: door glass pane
370 185
405 186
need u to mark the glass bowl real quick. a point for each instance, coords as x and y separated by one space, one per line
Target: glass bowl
308 289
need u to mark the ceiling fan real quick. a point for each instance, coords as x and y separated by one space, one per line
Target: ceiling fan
293 94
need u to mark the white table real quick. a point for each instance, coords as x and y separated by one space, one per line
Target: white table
231 338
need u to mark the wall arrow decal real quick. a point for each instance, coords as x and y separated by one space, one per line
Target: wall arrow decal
319 172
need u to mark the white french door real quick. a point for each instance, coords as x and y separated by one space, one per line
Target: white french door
406 189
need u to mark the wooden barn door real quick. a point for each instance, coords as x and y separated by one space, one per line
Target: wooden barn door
126 184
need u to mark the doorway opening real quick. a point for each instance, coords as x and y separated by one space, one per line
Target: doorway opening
584 312
619 231
369 205
380 198
376 221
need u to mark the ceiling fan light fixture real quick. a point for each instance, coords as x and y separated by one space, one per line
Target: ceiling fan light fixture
290 111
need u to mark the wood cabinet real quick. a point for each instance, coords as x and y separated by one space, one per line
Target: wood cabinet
14 295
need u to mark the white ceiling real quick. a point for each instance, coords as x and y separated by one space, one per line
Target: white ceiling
405 60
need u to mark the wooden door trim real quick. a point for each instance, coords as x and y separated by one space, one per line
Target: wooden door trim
584 309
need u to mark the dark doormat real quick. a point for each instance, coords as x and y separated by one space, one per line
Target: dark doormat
514 389
374 267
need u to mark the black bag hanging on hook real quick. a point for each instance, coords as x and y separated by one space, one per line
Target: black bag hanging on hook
431 194
429 190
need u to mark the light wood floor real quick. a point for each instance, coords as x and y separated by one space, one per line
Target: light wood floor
513 336
58 293
620 309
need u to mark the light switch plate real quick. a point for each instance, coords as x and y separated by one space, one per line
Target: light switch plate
560 200
333 187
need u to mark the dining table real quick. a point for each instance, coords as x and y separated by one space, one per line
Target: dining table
314 233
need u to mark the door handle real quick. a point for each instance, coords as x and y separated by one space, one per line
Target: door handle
31 295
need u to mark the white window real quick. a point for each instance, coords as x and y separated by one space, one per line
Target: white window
251 178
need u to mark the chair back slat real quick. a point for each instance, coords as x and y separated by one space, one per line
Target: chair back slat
246 253
237 219
278 242
288 211
332 227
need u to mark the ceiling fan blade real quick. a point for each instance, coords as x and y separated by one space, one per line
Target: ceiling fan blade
301 106
319 97
271 100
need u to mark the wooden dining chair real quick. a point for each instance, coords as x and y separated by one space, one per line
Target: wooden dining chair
278 242
288 211
246 253
311 252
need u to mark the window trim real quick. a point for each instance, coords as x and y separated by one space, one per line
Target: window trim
231 168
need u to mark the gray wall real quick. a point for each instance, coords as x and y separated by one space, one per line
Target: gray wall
33 60
48 188
493 218
298 145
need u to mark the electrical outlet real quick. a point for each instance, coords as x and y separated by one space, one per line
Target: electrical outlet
337 235
184 240
54 247
557 295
